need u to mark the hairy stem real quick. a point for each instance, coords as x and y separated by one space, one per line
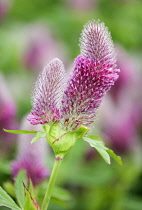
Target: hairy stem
51 184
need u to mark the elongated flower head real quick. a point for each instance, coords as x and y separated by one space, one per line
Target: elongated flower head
94 73
47 94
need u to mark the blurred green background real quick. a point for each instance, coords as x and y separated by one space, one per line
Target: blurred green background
34 32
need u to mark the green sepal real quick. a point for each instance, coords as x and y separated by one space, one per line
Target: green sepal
19 188
6 200
62 141
20 131
105 152
39 134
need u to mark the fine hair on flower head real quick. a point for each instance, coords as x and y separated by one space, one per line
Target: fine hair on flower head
95 71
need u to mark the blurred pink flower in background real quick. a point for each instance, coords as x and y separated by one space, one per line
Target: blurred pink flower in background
127 77
121 109
7 115
41 47
4 8
82 5
31 157
120 125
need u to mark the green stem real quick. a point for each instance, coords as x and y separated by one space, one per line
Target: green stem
52 180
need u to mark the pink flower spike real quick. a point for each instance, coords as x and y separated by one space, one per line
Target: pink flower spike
94 73
47 94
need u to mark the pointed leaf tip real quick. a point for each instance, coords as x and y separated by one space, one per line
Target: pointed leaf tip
95 142
105 152
39 134
114 156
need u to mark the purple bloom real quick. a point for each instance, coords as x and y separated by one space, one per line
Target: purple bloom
31 157
47 94
93 75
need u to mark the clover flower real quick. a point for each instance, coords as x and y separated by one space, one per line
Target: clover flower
47 94
94 73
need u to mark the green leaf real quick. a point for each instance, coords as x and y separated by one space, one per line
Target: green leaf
30 202
60 141
114 156
9 188
96 142
6 200
61 194
20 131
31 187
94 137
99 146
39 134
19 188
62 197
